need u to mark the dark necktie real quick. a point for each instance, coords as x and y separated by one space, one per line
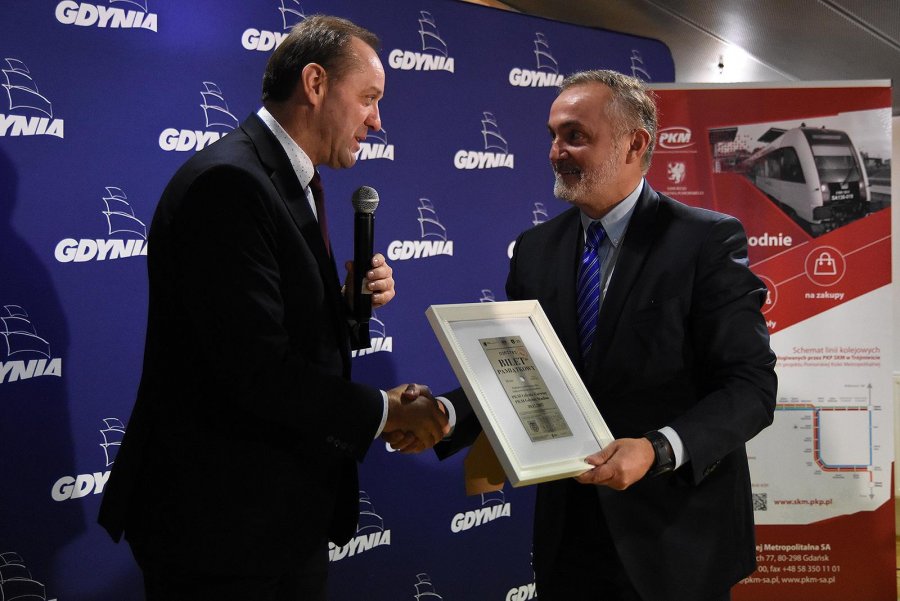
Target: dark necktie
588 287
315 185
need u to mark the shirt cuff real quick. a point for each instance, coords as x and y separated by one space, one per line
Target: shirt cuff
451 413
383 415
681 456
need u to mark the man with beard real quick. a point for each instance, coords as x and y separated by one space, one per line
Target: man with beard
656 306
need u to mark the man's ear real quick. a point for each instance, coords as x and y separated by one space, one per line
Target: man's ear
638 144
312 83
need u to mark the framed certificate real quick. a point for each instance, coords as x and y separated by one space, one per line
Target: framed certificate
533 406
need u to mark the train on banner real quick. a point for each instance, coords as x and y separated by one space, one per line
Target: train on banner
806 168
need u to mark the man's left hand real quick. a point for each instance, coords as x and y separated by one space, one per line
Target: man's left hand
620 464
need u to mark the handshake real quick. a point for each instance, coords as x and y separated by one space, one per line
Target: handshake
416 420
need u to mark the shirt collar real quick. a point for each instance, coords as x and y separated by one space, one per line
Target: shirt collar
300 161
616 221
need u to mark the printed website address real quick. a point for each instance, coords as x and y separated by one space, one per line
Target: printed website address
822 502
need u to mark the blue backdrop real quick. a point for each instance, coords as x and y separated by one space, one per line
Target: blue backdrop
101 103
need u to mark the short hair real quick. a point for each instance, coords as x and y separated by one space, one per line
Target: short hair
320 39
633 104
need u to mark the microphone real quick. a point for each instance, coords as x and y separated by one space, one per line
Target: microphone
365 201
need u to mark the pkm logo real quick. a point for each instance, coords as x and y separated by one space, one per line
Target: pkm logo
30 112
264 40
217 116
23 354
675 138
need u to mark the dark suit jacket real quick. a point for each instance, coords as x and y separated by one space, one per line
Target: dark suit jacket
243 443
681 342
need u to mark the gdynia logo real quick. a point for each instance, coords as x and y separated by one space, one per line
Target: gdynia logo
216 112
425 588
120 16
493 506
493 140
380 341
263 40
76 487
539 215
375 147
432 243
121 221
526 592
434 56
31 112
547 72
370 532
23 354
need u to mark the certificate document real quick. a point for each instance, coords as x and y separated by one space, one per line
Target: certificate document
525 388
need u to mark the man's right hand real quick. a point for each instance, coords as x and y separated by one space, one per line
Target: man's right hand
416 420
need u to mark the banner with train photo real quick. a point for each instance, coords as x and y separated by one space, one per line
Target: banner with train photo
806 168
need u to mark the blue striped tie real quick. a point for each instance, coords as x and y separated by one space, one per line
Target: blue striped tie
589 287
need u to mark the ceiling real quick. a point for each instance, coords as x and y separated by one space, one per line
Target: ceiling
758 40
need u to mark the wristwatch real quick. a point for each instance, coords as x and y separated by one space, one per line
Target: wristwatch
664 460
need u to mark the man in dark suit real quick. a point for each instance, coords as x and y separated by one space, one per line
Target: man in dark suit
676 356
239 461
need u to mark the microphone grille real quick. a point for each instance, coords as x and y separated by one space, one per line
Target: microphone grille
365 200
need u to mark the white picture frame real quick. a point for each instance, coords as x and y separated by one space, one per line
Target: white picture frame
462 330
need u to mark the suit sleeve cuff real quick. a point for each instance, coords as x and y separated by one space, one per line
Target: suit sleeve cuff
384 414
451 413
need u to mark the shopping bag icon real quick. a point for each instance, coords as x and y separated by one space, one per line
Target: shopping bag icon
825 265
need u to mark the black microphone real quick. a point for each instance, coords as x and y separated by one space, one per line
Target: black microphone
365 201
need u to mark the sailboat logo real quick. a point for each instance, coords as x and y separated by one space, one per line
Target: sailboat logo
112 438
425 589
370 532
433 237
130 232
291 13
431 37
379 340
119 214
429 224
216 114
23 354
25 97
496 148
215 109
487 296
637 66
539 213
375 146
434 55
16 581
546 72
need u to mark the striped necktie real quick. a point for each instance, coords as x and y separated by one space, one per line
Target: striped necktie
588 287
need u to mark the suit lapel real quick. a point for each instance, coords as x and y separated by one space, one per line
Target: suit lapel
571 245
635 248
283 177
